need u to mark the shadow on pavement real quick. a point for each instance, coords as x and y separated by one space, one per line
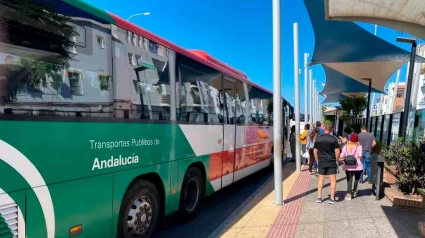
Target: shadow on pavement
310 191
405 224
215 208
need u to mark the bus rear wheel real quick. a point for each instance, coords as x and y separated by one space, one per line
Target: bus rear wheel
191 194
139 212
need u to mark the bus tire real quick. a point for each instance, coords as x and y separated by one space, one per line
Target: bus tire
140 211
191 194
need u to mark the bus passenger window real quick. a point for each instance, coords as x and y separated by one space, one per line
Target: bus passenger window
199 93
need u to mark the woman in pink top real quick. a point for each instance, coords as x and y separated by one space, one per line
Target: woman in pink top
352 148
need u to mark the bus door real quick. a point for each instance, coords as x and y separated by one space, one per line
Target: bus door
229 131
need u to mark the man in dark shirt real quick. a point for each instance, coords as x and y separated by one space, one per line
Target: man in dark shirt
367 141
326 153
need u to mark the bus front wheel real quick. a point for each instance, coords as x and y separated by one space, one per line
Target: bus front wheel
191 194
139 212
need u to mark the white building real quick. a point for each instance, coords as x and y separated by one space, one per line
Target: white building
384 102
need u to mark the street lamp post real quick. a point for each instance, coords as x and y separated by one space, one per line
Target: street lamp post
277 105
409 82
139 14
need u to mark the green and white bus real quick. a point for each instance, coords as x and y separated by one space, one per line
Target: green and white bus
106 128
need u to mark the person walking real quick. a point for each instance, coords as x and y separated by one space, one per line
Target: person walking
319 125
303 138
367 141
292 142
310 147
326 153
351 154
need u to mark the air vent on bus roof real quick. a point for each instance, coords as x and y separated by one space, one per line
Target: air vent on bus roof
9 220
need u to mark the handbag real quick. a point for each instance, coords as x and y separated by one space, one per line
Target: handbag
351 159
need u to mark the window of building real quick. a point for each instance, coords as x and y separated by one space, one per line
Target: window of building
73 49
132 59
139 60
145 43
101 42
129 33
161 50
152 87
134 40
153 47
114 30
80 38
105 82
75 83
141 42
136 85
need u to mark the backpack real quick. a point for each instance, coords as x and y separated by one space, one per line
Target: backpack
351 159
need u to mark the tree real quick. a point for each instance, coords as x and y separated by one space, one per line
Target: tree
353 108
37 26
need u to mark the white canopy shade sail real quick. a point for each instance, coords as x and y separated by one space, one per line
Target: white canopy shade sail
351 50
402 15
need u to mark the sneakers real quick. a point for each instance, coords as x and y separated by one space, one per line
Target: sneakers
348 197
319 200
332 201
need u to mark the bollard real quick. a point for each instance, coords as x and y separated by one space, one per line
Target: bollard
377 175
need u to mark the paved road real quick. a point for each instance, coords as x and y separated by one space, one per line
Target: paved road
216 208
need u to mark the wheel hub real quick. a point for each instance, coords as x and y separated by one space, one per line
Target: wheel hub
139 217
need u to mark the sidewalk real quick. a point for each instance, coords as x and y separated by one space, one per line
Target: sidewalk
301 216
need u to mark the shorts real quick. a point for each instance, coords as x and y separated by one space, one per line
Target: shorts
327 171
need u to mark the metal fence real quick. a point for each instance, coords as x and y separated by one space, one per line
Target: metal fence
386 128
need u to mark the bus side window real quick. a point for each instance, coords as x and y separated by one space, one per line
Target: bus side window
198 93
47 67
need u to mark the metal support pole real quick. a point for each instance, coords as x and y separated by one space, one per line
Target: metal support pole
394 96
316 112
310 102
297 101
172 76
368 102
319 118
305 87
407 78
370 105
408 90
277 105
313 107
416 85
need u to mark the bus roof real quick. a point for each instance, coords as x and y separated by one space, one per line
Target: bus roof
198 55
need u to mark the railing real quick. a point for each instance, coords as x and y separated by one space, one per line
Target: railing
386 128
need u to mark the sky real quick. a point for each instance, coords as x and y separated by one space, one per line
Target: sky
237 32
